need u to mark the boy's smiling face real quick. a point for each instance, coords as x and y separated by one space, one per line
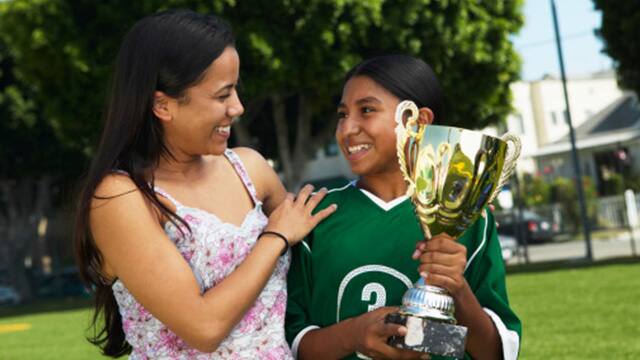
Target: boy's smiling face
366 127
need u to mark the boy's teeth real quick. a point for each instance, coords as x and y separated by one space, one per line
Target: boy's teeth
356 148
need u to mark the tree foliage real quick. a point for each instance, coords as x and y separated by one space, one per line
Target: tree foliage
294 54
620 31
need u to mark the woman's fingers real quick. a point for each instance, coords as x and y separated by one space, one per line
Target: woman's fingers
323 214
315 199
303 195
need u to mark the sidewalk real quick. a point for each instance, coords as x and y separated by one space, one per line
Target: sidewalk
602 248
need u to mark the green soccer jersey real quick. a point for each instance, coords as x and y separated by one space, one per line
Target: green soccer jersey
359 259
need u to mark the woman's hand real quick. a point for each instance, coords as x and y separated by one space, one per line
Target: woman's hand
442 263
293 218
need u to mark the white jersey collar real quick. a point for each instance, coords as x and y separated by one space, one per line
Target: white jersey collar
384 205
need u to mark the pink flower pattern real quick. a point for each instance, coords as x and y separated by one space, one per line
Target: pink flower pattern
213 250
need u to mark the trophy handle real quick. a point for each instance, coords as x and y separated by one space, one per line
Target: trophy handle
514 147
410 132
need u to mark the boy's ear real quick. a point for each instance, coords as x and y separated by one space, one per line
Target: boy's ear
161 106
425 115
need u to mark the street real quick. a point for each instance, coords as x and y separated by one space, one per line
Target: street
602 249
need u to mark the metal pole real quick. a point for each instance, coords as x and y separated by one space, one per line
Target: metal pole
574 152
518 229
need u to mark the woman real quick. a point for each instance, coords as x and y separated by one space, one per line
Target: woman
171 228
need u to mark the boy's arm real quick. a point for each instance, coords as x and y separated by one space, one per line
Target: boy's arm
483 341
487 279
478 288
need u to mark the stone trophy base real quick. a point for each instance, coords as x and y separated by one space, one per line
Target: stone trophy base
429 336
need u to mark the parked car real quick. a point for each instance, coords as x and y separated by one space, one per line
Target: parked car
509 246
537 229
8 296
65 283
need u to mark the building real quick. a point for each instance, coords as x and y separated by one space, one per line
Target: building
539 116
608 143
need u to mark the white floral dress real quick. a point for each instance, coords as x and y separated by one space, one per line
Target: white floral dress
214 250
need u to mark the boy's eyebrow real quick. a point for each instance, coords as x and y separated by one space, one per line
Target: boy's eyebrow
368 99
364 100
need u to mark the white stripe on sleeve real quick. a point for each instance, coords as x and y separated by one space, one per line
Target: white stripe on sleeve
510 338
298 338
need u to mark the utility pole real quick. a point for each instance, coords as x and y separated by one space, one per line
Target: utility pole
518 230
572 136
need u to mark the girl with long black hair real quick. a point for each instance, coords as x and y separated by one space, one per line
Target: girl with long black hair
171 231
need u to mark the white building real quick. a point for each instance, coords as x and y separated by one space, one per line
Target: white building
539 116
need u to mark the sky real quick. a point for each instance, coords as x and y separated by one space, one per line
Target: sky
581 47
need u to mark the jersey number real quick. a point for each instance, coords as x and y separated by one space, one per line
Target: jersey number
381 295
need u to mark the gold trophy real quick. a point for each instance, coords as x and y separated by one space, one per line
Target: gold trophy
452 174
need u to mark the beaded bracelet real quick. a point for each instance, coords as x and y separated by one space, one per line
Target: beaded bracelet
277 234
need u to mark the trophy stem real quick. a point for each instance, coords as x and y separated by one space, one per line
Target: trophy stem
427 313
427 301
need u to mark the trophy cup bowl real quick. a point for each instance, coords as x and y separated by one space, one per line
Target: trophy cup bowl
452 174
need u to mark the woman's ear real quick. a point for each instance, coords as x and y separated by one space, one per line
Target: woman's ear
425 115
161 106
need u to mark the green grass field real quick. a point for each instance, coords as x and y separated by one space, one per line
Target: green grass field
587 313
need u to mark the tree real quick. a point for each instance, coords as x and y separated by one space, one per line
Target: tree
620 30
294 54
536 191
467 44
34 167
563 191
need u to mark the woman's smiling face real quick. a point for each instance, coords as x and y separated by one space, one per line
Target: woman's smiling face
366 127
201 124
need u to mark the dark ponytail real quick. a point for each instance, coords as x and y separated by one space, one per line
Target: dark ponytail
169 52
406 77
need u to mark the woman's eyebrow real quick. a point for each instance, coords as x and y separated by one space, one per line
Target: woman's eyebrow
226 88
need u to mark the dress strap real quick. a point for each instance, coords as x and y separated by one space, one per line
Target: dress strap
167 196
121 172
234 159
157 189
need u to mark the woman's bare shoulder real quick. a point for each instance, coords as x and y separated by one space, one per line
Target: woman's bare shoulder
250 157
113 186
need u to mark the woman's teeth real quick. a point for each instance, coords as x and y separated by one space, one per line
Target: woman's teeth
356 148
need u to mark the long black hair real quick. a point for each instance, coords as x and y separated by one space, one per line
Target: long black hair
406 77
169 52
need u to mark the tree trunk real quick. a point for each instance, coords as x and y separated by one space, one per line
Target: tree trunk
282 139
295 159
241 126
27 202
304 148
